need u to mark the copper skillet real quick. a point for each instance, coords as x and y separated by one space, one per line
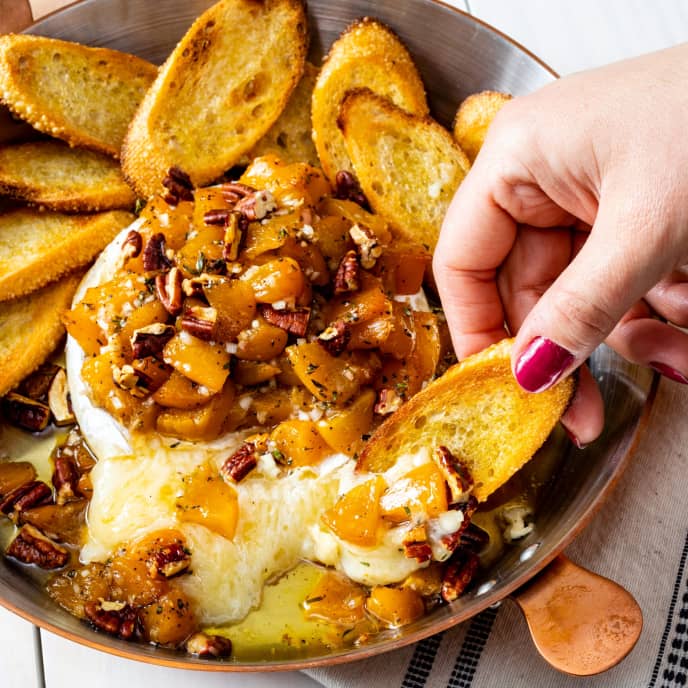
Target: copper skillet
457 55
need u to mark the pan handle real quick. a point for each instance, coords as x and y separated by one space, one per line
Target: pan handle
581 623
16 15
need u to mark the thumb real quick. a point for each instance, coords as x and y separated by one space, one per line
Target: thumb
609 274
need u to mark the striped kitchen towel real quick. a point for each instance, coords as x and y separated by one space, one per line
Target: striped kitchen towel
639 538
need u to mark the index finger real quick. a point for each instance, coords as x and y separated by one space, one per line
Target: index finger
476 237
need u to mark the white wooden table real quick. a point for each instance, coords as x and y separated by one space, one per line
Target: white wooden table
569 35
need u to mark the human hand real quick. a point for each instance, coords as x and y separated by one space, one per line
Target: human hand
572 228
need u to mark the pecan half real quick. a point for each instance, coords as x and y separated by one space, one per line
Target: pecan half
199 321
25 496
155 254
65 478
151 339
32 547
294 322
168 287
241 463
416 544
203 645
217 216
449 543
369 249
168 561
131 246
456 474
126 378
58 400
235 191
473 537
26 413
235 230
122 622
388 401
347 188
179 186
335 338
36 385
256 205
458 574
348 277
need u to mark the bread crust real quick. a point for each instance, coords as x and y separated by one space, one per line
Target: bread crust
256 52
480 413
31 329
367 54
38 247
473 119
51 83
52 175
409 166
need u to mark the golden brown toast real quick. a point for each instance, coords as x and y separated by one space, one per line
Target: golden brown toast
218 93
290 136
480 413
37 247
55 176
86 96
473 119
368 54
31 328
408 166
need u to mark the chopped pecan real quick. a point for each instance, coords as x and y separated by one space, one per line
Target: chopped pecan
458 574
256 205
448 543
347 188
155 254
26 413
217 216
62 523
388 401
456 474
199 321
59 401
335 338
241 463
168 287
25 496
369 249
65 478
348 277
116 619
32 547
131 246
168 561
235 230
416 544
203 645
36 385
179 186
235 191
473 537
151 339
14 474
295 322
126 378
195 286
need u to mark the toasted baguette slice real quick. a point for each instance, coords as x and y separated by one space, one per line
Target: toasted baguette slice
368 54
53 175
218 93
480 413
37 247
409 166
290 136
473 119
31 328
86 96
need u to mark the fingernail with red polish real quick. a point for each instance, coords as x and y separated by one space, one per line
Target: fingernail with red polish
574 439
669 372
542 364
